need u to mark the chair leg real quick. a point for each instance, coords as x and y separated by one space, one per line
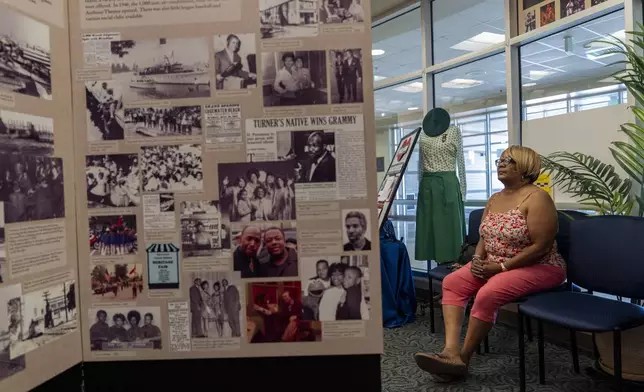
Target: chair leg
617 358
432 326
478 350
486 344
528 327
595 350
522 386
542 356
573 349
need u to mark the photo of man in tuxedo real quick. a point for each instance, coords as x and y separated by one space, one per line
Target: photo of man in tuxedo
352 75
321 167
346 78
235 68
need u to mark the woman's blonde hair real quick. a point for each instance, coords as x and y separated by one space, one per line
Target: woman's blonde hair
527 160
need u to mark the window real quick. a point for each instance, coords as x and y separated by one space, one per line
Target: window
398 112
572 60
463 27
474 94
397 46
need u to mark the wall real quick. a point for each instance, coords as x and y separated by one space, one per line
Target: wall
589 132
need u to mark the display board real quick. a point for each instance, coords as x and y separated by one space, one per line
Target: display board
39 312
389 186
226 180
539 13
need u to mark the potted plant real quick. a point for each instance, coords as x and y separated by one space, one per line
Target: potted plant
600 188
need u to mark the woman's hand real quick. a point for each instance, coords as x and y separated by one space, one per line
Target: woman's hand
484 269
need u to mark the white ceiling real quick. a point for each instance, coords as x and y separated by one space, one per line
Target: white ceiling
458 20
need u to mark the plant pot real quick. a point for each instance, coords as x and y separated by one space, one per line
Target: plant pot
632 353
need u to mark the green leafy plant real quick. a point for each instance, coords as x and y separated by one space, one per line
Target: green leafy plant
596 183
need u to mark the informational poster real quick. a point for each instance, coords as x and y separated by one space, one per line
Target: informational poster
39 275
228 156
389 186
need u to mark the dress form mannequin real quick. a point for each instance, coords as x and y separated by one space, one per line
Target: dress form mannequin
440 216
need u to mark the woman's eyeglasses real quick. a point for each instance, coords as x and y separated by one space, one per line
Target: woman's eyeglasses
504 161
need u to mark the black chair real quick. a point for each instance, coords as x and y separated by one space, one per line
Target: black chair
606 255
565 217
440 273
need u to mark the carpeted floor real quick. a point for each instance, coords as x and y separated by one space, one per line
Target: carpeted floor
497 371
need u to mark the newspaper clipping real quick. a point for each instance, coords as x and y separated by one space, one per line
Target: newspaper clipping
179 323
97 48
223 126
328 152
158 211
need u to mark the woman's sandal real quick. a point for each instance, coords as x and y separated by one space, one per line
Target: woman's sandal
437 364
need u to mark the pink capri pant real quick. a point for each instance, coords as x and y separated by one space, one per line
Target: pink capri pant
499 290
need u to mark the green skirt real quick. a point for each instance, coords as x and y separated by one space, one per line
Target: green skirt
440 218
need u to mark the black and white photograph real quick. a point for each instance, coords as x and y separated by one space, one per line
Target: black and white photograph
571 7
596 2
150 122
265 251
31 187
47 314
216 300
341 11
203 233
274 314
26 134
335 288
346 78
172 168
10 329
163 68
257 191
3 249
25 60
235 61
355 230
125 328
112 235
112 282
112 180
288 18
104 111
294 78
313 153
530 20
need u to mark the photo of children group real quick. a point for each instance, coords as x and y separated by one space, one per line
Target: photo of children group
112 180
113 235
335 288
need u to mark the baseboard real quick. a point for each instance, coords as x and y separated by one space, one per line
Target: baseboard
508 316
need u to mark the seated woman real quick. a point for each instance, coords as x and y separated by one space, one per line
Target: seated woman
517 255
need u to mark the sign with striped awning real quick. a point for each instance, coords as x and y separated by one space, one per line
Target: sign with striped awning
162 248
163 266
